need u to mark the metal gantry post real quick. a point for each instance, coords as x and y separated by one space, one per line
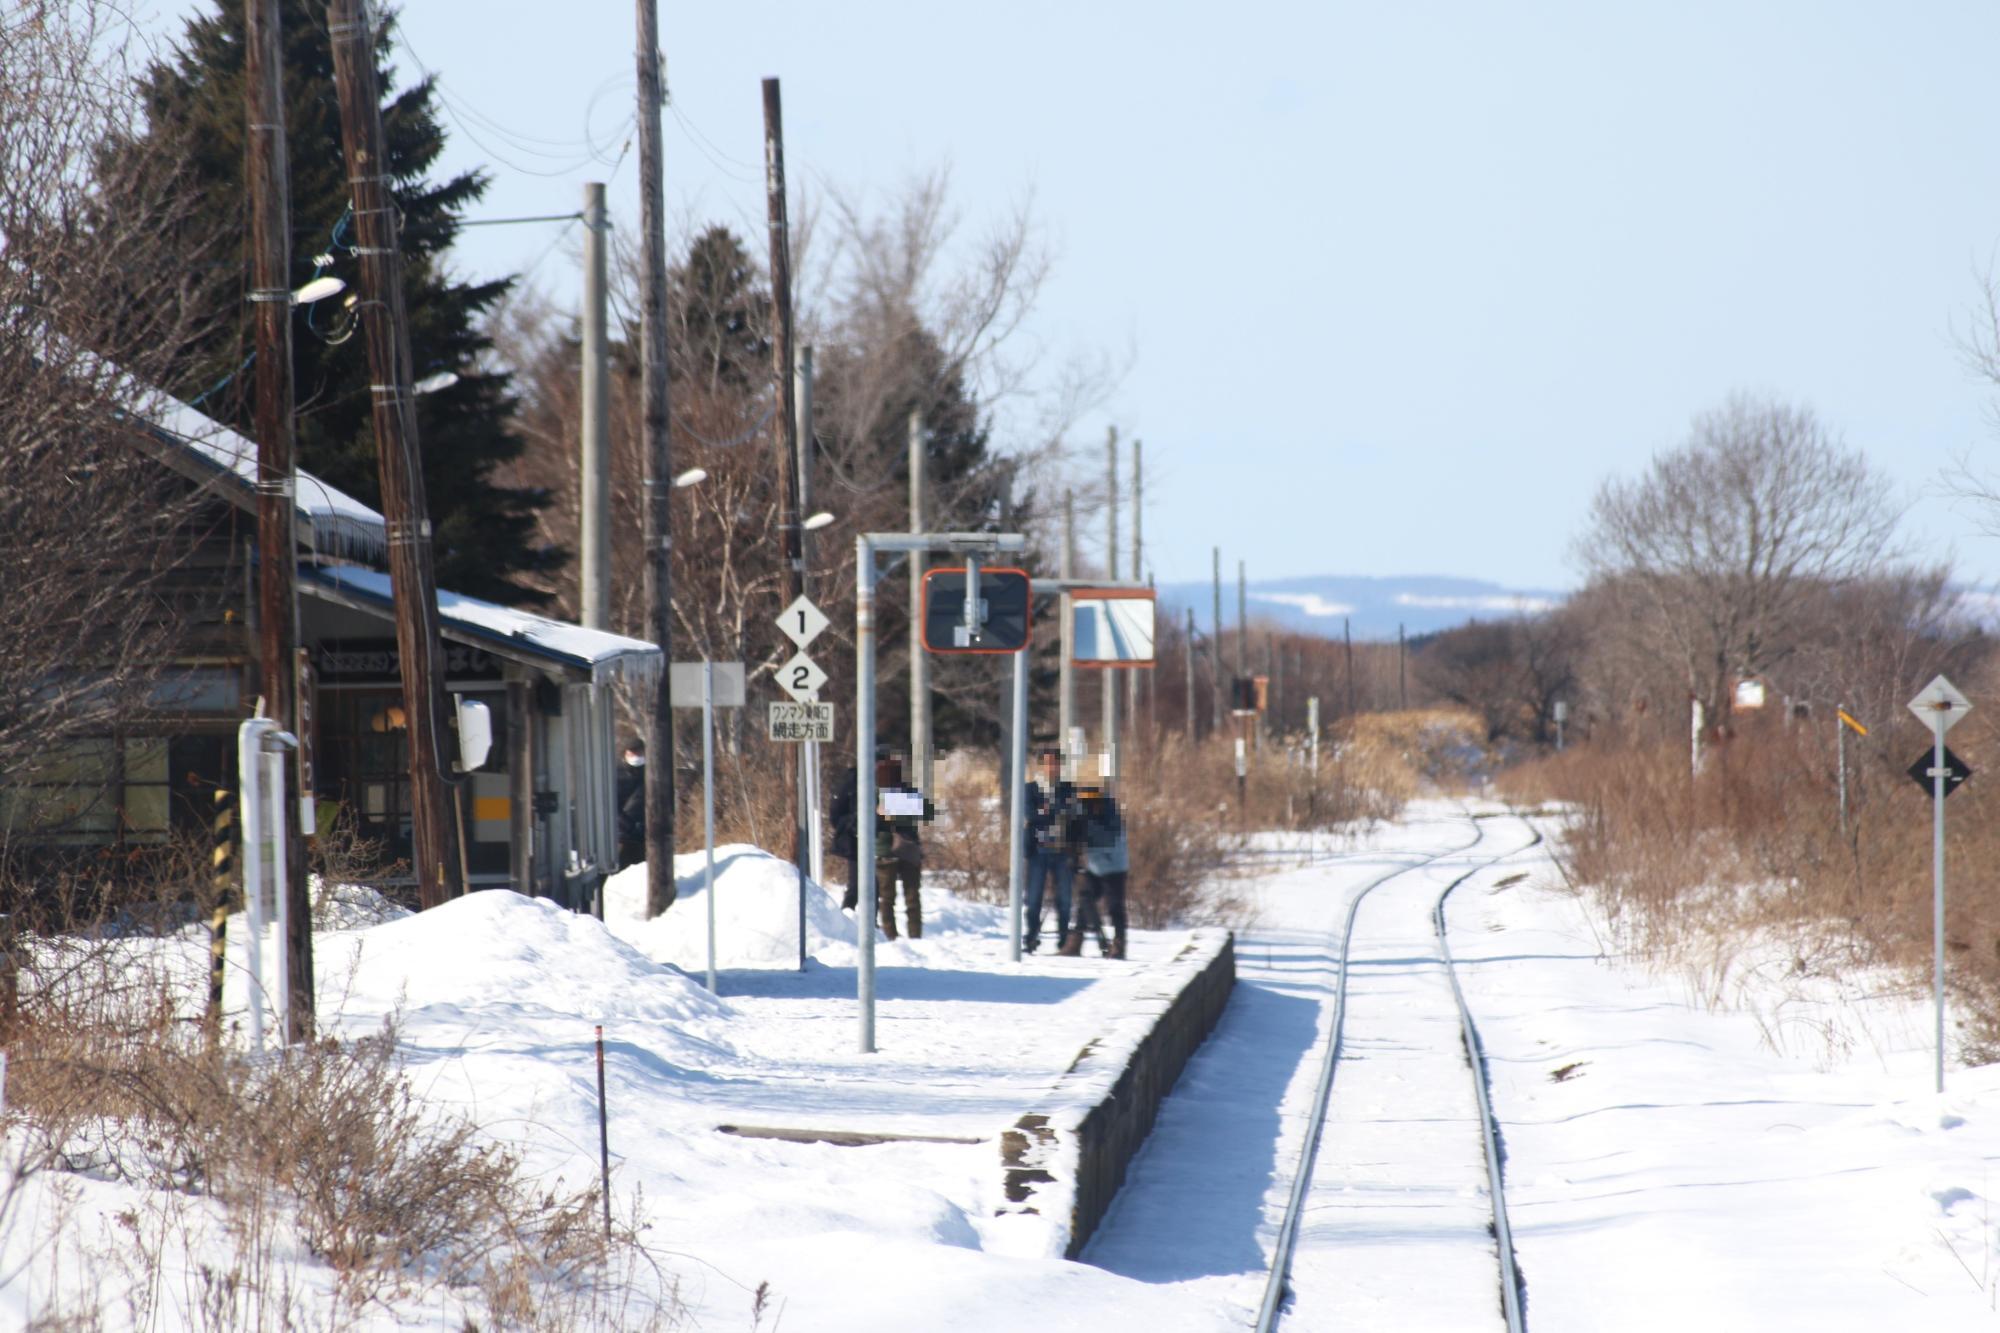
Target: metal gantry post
1017 814
864 787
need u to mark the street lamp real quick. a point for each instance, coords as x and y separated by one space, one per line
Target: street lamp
318 289
690 477
443 379
817 521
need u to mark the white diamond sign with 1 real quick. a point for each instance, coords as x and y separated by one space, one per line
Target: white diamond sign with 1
802 622
1939 705
801 678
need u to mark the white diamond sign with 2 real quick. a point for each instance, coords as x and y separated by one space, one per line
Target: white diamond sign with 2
801 678
1939 705
802 622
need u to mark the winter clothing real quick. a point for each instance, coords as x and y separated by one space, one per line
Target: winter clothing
1105 862
1052 834
845 827
629 792
905 867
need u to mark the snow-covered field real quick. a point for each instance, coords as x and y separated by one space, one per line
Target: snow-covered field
1667 1166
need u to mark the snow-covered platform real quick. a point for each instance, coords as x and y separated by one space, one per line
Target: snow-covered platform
756 1134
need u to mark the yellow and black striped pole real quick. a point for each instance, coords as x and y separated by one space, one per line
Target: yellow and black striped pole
222 883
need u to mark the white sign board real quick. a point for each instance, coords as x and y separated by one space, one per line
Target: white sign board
1939 705
1111 631
802 622
801 678
802 722
685 682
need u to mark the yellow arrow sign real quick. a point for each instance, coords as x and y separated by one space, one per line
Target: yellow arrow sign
1845 717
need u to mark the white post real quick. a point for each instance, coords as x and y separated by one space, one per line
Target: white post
250 775
864 788
274 810
1694 735
1937 892
708 805
1016 807
1312 726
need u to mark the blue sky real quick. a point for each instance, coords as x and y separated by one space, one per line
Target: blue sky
1402 282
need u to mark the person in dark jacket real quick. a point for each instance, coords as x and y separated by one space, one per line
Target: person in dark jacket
900 813
629 792
846 829
1052 835
1105 862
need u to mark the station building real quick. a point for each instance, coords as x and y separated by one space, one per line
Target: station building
537 816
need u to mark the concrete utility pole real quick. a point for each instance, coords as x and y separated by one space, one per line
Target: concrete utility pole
1138 572
594 466
656 439
1242 622
785 432
920 662
266 177
386 330
1402 669
1192 732
1274 665
1110 677
1065 672
1215 644
1347 633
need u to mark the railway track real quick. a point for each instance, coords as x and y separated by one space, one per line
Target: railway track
1410 880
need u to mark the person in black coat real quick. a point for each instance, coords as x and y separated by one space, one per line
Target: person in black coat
1052 835
845 830
629 794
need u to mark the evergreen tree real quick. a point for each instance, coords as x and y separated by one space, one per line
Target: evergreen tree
485 533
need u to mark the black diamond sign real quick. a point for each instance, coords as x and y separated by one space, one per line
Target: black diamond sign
1955 772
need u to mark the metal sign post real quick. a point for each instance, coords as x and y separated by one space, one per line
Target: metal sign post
1017 820
1939 705
865 577
802 622
708 808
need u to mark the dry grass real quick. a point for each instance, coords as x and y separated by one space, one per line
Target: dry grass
325 1150
1689 869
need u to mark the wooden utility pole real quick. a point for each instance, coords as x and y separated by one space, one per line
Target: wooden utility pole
1193 732
593 434
266 178
785 428
1215 644
385 327
657 444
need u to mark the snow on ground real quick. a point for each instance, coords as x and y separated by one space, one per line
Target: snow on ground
498 997
1668 1165
1669 1169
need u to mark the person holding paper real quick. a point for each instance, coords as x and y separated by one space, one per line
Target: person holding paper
900 813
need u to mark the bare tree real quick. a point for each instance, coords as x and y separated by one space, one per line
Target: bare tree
93 304
1722 544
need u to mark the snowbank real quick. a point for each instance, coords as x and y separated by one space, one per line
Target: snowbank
756 912
509 959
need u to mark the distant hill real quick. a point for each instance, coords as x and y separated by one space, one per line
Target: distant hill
1421 603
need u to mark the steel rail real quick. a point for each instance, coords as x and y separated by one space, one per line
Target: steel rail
1475 1056
1281 1254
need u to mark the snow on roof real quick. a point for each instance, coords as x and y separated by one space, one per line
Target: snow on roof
599 652
340 524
